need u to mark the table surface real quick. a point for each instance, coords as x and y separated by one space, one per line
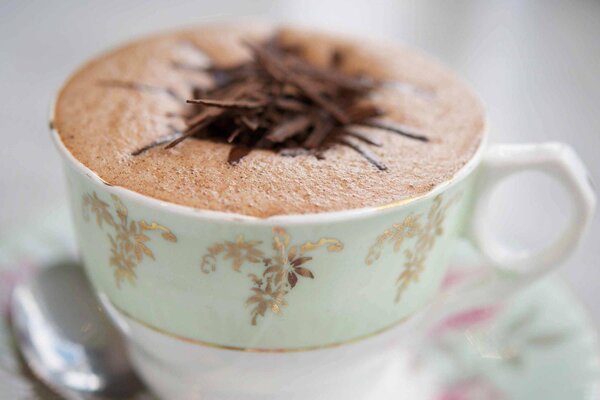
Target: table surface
536 66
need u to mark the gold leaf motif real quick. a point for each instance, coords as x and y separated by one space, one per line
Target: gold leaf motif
332 245
241 251
281 271
209 261
292 253
375 250
407 229
426 234
98 207
166 233
128 241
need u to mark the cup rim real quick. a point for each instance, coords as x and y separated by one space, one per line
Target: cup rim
287 219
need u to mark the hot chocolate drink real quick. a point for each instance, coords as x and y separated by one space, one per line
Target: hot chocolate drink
262 121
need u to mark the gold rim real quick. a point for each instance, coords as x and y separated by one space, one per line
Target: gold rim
198 342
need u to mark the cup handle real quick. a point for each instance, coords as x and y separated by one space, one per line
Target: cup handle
554 159
510 270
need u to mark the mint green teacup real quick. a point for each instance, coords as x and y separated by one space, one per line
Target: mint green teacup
188 286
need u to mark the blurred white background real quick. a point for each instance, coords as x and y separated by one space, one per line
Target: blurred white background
535 64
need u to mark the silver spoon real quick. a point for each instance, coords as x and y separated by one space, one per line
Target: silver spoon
67 340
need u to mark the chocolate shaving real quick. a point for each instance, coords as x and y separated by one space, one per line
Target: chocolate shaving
277 101
228 103
342 80
234 134
277 69
317 136
237 153
363 151
195 129
287 104
250 121
362 137
289 128
363 111
396 128
203 116
312 93
295 152
158 142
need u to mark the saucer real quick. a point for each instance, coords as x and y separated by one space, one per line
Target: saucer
540 345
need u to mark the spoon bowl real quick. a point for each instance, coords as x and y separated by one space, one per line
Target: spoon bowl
67 339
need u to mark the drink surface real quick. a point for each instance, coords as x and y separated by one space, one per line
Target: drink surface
111 112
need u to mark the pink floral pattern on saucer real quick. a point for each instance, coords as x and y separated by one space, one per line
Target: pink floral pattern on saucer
471 389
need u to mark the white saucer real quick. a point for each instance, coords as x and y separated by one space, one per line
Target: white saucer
541 345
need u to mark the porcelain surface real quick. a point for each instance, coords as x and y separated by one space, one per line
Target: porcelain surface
542 344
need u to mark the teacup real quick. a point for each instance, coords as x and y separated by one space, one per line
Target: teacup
215 305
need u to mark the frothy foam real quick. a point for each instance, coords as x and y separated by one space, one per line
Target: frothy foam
103 124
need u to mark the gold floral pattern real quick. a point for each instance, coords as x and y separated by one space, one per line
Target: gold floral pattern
128 243
426 231
282 270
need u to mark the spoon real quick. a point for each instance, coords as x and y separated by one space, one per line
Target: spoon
66 338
